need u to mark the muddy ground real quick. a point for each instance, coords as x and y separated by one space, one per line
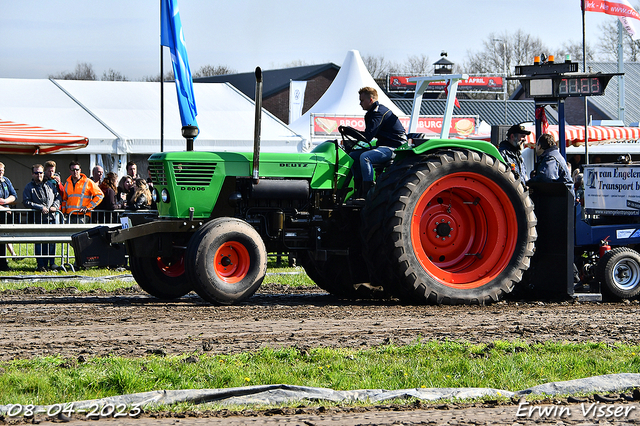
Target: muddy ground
131 324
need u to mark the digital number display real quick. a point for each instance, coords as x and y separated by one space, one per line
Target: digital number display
580 86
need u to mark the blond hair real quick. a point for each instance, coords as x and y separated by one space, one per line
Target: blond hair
369 91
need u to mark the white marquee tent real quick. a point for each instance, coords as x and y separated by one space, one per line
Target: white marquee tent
341 98
124 117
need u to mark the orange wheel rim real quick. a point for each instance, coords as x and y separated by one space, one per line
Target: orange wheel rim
171 266
232 262
464 230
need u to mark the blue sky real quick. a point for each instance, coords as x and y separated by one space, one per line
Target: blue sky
43 37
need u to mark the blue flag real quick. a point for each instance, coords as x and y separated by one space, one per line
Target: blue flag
171 35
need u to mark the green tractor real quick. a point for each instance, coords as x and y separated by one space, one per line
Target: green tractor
447 223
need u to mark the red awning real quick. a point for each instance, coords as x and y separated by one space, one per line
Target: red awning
16 138
597 134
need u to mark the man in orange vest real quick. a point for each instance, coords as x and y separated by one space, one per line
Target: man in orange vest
81 195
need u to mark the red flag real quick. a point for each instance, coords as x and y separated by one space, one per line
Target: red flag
446 92
542 116
621 8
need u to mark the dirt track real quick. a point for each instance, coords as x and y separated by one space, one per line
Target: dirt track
131 324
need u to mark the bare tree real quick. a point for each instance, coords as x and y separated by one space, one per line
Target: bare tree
418 65
574 48
210 70
296 63
83 71
504 50
168 76
113 75
608 45
378 66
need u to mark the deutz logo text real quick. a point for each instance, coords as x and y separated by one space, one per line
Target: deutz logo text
294 164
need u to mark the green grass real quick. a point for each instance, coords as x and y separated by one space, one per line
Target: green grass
502 365
277 274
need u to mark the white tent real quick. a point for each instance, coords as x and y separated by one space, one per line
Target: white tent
124 117
341 98
42 103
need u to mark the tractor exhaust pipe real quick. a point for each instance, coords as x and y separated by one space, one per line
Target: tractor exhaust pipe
258 125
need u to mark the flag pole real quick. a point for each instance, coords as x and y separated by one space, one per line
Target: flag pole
161 88
584 69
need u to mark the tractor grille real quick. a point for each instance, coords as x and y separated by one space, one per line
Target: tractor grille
194 174
157 174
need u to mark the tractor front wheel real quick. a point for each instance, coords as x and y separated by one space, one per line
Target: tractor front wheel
227 261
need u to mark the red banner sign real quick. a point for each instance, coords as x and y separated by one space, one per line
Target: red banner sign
327 126
401 83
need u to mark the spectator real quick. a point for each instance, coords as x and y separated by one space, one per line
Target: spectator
511 151
125 190
578 188
132 170
81 195
96 174
51 177
110 202
141 199
8 196
551 166
39 196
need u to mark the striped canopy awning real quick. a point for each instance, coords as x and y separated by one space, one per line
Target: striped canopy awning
598 135
25 139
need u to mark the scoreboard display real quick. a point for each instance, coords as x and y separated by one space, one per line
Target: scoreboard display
580 86
564 86
560 80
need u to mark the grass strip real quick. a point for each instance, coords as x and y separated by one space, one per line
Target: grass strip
108 280
503 365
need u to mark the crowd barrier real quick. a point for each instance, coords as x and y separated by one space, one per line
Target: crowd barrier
20 229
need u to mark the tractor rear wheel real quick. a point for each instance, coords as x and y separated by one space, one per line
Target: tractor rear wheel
227 261
458 227
619 272
161 277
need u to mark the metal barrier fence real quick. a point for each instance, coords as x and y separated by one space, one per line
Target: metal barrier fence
20 229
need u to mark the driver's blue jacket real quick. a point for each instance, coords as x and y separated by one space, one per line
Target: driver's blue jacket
384 125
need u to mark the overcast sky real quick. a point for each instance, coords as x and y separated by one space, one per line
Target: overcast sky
43 37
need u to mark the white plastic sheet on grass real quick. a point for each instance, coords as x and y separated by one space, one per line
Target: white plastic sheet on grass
279 394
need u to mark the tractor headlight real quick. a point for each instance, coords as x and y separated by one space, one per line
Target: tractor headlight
165 196
154 195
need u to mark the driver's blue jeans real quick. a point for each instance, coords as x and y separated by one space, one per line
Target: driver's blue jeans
364 159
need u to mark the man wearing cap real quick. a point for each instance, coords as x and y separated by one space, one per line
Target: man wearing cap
511 150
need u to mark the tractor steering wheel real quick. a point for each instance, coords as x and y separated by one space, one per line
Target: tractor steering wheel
351 138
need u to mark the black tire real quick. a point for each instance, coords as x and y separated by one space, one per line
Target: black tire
619 273
161 277
457 227
345 277
239 268
372 216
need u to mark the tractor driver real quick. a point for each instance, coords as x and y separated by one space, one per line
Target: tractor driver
382 124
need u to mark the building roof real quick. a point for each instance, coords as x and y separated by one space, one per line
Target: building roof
608 103
274 81
491 112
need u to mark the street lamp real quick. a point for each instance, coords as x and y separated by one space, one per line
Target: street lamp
504 70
